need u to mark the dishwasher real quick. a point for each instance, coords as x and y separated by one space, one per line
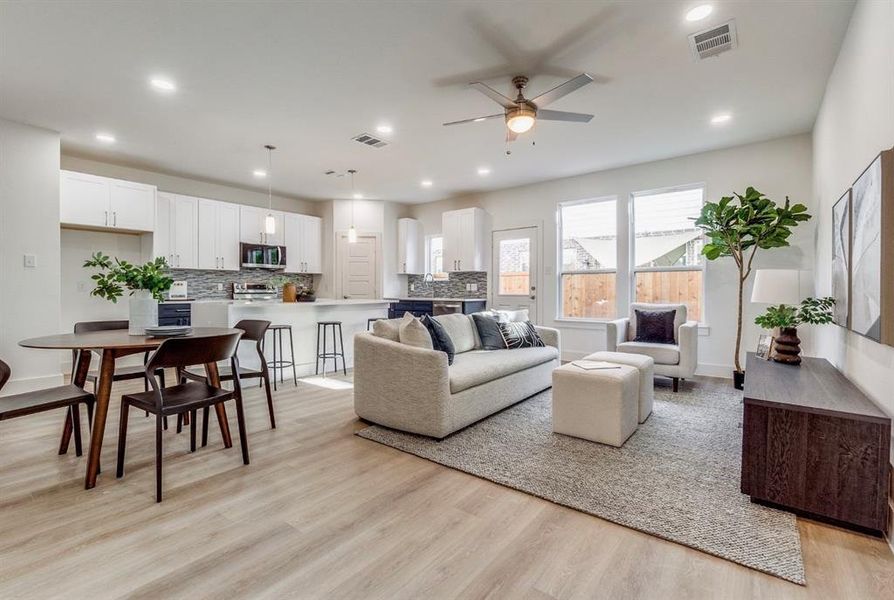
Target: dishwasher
446 308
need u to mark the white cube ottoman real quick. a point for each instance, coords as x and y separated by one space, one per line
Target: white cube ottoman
598 405
646 366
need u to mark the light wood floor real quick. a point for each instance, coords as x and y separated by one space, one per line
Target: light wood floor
321 513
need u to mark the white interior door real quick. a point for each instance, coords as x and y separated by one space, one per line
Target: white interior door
358 267
516 270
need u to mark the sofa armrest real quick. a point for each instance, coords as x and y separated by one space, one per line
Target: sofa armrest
400 386
550 337
687 336
615 333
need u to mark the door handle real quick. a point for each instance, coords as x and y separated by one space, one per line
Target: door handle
533 297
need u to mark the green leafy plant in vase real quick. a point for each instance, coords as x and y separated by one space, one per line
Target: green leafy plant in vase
787 318
146 285
737 227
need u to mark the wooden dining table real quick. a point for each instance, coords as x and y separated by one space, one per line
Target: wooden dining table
111 345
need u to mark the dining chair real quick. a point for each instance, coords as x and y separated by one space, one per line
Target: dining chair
185 397
254 331
28 403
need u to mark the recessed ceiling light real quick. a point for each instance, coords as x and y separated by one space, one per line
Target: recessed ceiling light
163 85
721 118
699 12
358 196
484 170
259 173
384 128
106 138
426 183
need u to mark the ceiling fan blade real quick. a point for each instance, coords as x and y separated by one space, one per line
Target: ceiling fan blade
560 91
493 94
561 115
475 120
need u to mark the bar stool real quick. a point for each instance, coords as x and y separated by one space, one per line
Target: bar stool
338 346
279 361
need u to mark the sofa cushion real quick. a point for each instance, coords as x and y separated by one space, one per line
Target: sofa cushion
460 329
488 326
387 328
481 366
662 354
439 338
414 333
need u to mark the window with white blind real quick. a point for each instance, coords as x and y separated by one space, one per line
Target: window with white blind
589 249
667 262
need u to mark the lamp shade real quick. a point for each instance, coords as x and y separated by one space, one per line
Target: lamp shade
776 286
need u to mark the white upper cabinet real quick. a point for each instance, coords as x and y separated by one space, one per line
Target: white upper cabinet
252 226
218 235
410 247
466 239
303 241
104 203
175 233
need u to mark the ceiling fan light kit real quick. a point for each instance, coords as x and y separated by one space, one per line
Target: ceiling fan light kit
521 119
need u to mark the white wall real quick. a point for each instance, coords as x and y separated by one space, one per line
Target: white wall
778 168
855 122
29 224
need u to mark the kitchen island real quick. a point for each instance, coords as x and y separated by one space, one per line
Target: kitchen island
302 316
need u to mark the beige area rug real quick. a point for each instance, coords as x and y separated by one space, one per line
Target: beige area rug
676 478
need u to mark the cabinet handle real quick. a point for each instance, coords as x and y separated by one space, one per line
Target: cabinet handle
115 218
107 218
178 260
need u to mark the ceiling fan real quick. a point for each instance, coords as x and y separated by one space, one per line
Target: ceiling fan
521 114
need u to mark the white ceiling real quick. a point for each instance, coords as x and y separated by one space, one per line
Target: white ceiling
309 76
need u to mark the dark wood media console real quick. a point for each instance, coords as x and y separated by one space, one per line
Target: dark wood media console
813 443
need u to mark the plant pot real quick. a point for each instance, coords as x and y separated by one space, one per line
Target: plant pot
289 292
311 298
143 312
739 380
787 346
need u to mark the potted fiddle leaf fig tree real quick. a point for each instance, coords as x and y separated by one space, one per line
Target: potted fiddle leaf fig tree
737 227
147 284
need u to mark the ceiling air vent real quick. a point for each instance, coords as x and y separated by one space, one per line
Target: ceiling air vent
714 41
370 140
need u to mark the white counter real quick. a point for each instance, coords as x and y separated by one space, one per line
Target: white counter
303 318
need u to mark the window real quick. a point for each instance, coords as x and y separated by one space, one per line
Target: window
588 234
434 256
515 267
668 266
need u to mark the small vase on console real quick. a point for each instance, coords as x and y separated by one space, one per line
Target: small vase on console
787 346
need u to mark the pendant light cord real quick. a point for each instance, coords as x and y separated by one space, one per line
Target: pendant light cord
270 150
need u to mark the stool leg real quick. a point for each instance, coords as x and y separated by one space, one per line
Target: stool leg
341 340
292 346
274 360
325 347
317 363
282 358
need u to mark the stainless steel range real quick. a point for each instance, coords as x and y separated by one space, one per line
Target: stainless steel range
253 291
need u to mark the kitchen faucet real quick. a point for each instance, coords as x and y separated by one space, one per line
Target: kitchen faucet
429 278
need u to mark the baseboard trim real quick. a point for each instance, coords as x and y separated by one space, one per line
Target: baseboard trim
29 384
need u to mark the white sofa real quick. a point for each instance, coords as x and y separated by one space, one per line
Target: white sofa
677 361
413 389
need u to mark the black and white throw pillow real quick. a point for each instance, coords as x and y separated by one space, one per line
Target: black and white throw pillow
440 339
520 334
655 326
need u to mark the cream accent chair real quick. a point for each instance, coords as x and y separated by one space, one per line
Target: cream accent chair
677 361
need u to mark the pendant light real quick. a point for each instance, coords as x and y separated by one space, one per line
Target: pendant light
270 221
352 231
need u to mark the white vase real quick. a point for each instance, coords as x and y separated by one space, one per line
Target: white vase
143 312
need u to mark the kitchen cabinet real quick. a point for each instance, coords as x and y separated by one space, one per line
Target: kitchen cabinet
175 235
218 235
410 247
303 241
466 234
252 221
98 202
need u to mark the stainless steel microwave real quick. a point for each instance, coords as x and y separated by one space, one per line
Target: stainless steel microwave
262 256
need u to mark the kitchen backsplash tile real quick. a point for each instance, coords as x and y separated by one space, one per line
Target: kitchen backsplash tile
203 284
455 287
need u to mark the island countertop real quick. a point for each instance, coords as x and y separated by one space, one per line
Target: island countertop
435 299
276 303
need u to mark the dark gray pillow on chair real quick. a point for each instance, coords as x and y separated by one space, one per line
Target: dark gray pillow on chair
655 326
488 326
440 339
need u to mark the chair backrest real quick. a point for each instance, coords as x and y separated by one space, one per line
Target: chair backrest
188 351
254 329
679 316
88 326
4 373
